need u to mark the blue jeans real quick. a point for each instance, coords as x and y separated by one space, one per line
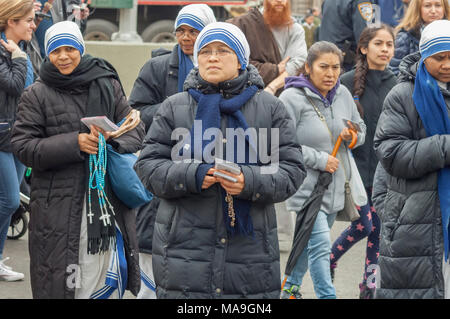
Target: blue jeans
317 256
11 174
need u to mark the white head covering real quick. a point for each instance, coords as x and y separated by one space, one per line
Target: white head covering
435 38
196 16
228 34
65 33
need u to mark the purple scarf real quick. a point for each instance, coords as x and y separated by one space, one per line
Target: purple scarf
302 81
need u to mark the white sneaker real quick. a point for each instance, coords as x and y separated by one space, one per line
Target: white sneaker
8 274
3 263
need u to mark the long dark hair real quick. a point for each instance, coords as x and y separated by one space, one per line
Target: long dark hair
362 66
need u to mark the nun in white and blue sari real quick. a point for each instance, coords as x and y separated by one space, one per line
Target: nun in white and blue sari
215 238
162 76
79 246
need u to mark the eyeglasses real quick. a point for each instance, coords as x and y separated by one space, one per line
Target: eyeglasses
220 52
193 33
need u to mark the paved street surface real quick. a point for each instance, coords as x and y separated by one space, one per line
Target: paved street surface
348 274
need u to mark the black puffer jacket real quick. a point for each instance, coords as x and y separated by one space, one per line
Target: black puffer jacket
411 247
12 82
45 137
157 80
192 255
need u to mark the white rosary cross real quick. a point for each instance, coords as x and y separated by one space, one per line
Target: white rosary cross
90 215
106 219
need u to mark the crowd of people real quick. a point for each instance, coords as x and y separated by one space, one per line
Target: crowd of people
239 116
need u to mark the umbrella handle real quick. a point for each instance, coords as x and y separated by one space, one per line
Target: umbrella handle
336 146
354 139
339 141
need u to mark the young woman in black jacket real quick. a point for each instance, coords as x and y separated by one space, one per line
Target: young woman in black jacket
16 73
369 83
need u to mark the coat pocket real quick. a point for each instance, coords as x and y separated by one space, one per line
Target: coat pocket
49 191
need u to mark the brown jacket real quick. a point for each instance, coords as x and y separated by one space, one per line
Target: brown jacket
264 51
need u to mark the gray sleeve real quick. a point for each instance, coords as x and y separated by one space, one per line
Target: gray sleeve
312 157
276 182
296 49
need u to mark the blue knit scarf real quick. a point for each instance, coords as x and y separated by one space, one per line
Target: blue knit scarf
30 75
209 110
185 66
432 109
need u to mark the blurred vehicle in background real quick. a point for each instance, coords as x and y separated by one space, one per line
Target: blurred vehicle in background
155 17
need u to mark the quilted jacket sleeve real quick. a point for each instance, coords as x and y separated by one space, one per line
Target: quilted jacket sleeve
155 167
400 152
402 45
29 140
148 89
12 76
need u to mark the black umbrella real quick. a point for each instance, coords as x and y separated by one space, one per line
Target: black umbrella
306 218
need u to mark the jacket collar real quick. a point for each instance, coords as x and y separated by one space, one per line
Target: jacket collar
408 67
173 60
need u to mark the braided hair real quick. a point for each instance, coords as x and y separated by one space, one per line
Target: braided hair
362 66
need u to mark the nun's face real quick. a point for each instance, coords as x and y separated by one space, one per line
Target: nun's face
186 37
65 59
218 63
438 65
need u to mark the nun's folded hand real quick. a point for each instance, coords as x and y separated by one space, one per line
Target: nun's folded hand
95 130
231 187
209 179
88 143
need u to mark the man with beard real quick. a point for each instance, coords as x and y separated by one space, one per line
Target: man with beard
277 42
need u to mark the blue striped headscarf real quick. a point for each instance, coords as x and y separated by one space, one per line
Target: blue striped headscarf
196 16
65 33
228 34
432 109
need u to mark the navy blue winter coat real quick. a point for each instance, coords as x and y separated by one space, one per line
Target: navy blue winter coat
406 42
